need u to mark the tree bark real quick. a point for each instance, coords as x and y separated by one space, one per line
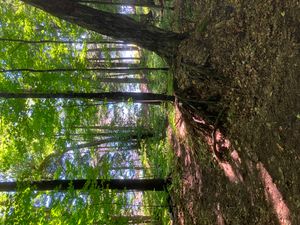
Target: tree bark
129 168
132 134
89 144
136 219
115 64
110 49
111 128
63 185
110 70
113 59
103 96
59 41
122 3
122 80
132 139
118 26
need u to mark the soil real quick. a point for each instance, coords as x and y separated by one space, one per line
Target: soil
238 159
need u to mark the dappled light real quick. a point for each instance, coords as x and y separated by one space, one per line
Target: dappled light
180 124
231 167
273 196
165 112
220 146
230 172
220 218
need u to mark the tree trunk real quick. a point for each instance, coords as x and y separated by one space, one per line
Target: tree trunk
110 49
100 142
122 80
63 185
132 139
128 168
109 127
142 3
59 41
118 26
113 59
135 219
114 64
110 70
132 134
104 96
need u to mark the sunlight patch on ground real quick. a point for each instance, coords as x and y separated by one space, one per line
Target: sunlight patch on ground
230 173
218 145
273 196
220 217
180 124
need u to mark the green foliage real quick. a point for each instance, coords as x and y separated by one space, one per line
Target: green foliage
41 138
88 206
156 152
160 81
157 206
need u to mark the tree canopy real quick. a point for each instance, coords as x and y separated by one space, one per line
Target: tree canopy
72 116
92 121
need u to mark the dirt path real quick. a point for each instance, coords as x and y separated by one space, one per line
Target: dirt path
252 175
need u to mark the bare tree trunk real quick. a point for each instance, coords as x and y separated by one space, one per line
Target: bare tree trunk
135 219
128 168
114 70
118 26
107 96
131 134
122 80
110 49
59 41
142 3
115 64
113 59
109 127
63 185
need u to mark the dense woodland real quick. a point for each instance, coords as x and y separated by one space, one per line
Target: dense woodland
83 120
148 112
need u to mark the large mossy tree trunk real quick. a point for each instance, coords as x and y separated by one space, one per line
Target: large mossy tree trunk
118 26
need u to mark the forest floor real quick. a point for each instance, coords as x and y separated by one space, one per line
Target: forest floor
255 46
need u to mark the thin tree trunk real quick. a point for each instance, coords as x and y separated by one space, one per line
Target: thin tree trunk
105 103
132 134
110 49
104 96
132 139
63 185
113 59
118 26
58 41
111 70
126 138
109 127
128 168
149 4
91 144
135 219
122 80
113 75
118 75
115 64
